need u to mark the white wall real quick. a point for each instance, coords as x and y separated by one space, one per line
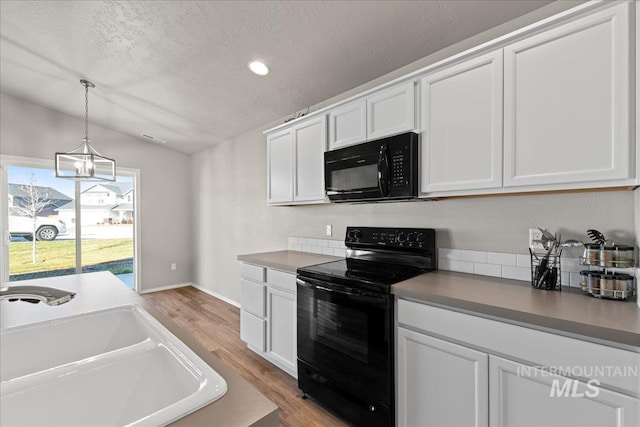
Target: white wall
231 217
30 130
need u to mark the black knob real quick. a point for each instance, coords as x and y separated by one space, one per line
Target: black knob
411 237
358 234
401 237
350 234
420 237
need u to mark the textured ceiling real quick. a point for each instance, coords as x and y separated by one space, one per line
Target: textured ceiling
177 70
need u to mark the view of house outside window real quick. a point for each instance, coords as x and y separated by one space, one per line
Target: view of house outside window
42 223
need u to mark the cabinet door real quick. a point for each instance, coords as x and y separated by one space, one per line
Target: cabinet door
440 383
310 142
348 124
391 111
567 103
281 337
521 395
252 330
280 167
462 123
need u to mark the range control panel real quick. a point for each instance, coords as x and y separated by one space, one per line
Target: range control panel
390 238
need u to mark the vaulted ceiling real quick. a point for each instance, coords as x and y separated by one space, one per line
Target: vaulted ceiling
177 70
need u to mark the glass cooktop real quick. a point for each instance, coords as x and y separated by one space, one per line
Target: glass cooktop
354 272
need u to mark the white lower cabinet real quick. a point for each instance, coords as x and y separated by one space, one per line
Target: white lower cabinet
455 369
520 395
268 315
281 336
440 383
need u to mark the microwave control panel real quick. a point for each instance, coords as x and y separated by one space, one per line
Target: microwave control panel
399 168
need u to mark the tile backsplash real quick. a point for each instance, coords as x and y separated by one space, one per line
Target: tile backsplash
495 264
317 246
509 265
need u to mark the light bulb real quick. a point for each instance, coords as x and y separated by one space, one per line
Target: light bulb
259 68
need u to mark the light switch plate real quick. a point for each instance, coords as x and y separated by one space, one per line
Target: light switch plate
329 230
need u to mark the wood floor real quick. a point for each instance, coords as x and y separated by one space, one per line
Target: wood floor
216 325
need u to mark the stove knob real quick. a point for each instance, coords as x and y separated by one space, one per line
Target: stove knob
411 237
351 234
401 237
358 234
420 237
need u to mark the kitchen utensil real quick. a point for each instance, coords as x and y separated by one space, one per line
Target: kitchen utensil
571 244
548 239
596 236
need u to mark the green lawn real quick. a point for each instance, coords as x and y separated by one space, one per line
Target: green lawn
59 254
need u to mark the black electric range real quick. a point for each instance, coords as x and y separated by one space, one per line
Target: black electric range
346 321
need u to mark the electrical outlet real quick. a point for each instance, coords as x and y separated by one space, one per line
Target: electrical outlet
174 266
535 240
329 231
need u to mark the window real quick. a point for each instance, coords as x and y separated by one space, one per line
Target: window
107 242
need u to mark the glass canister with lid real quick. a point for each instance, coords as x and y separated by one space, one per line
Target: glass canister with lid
591 255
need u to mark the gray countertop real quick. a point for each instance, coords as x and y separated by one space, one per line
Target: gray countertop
287 261
569 312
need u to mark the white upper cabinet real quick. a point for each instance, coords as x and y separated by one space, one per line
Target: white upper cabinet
567 103
461 145
384 113
310 139
280 167
296 163
348 124
391 111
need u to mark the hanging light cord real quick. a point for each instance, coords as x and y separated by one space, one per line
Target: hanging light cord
86 112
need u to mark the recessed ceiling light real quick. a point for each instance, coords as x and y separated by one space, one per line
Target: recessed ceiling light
259 68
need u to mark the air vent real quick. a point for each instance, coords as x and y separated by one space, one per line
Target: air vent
153 139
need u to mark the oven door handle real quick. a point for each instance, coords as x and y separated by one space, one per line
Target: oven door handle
342 291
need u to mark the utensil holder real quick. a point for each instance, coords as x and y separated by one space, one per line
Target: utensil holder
545 270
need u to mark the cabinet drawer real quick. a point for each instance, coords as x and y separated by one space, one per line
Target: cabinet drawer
252 330
252 272
252 298
536 347
280 280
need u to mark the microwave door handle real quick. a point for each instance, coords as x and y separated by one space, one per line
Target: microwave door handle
383 171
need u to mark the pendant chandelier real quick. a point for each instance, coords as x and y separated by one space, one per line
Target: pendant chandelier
85 163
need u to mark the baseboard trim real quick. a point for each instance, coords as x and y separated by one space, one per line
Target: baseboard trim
216 295
165 288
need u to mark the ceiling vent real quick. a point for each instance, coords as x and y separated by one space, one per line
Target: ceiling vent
153 139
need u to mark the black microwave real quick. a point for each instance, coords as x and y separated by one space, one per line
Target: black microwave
385 169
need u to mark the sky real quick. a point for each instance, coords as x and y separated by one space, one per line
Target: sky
47 178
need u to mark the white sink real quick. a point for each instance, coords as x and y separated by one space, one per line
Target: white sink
113 367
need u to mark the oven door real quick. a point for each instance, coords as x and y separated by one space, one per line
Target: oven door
360 172
347 334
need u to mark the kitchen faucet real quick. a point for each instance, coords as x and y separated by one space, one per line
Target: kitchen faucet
36 294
